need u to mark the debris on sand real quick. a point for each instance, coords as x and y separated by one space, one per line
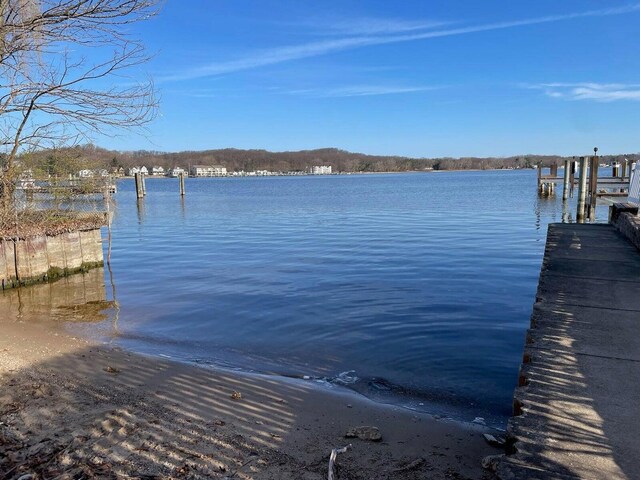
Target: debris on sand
491 462
417 463
371 434
332 460
493 440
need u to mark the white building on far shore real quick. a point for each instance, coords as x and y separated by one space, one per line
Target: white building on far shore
176 171
321 170
133 170
208 171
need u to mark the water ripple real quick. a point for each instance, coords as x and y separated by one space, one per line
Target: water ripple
422 283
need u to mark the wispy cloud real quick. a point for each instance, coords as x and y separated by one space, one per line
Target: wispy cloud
273 56
359 91
369 26
601 92
197 93
324 47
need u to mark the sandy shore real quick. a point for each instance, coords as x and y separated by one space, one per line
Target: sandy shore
73 409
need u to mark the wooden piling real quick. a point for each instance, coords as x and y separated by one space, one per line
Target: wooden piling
553 170
140 203
582 190
540 177
144 184
181 179
572 176
593 187
615 168
138 180
565 186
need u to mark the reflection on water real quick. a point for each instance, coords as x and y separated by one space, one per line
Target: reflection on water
566 213
140 205
414 289
77 298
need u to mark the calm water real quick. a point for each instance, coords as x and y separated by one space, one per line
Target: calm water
411 288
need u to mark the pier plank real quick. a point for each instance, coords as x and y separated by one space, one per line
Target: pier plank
603 268
590 292
585 331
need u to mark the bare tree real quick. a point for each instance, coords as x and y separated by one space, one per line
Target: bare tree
65 74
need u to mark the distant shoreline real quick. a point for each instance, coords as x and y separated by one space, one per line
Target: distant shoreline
125 177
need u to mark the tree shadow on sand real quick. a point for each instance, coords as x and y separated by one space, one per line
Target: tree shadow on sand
87 411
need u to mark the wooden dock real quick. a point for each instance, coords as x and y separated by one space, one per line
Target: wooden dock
590 186
576 411
610 182
76 186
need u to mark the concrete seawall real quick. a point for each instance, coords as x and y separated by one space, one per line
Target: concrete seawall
575 407
41 258
628 225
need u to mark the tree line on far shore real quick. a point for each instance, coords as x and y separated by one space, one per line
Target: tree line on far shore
340 160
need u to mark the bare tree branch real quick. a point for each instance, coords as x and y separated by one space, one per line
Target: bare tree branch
64 68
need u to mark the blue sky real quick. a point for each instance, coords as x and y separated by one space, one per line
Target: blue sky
416 78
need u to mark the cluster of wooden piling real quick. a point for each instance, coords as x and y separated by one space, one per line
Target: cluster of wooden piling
587 206
588 182
141 187
547 183
547 188
587 187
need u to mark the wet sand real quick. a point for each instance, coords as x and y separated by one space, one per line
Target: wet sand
72 409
